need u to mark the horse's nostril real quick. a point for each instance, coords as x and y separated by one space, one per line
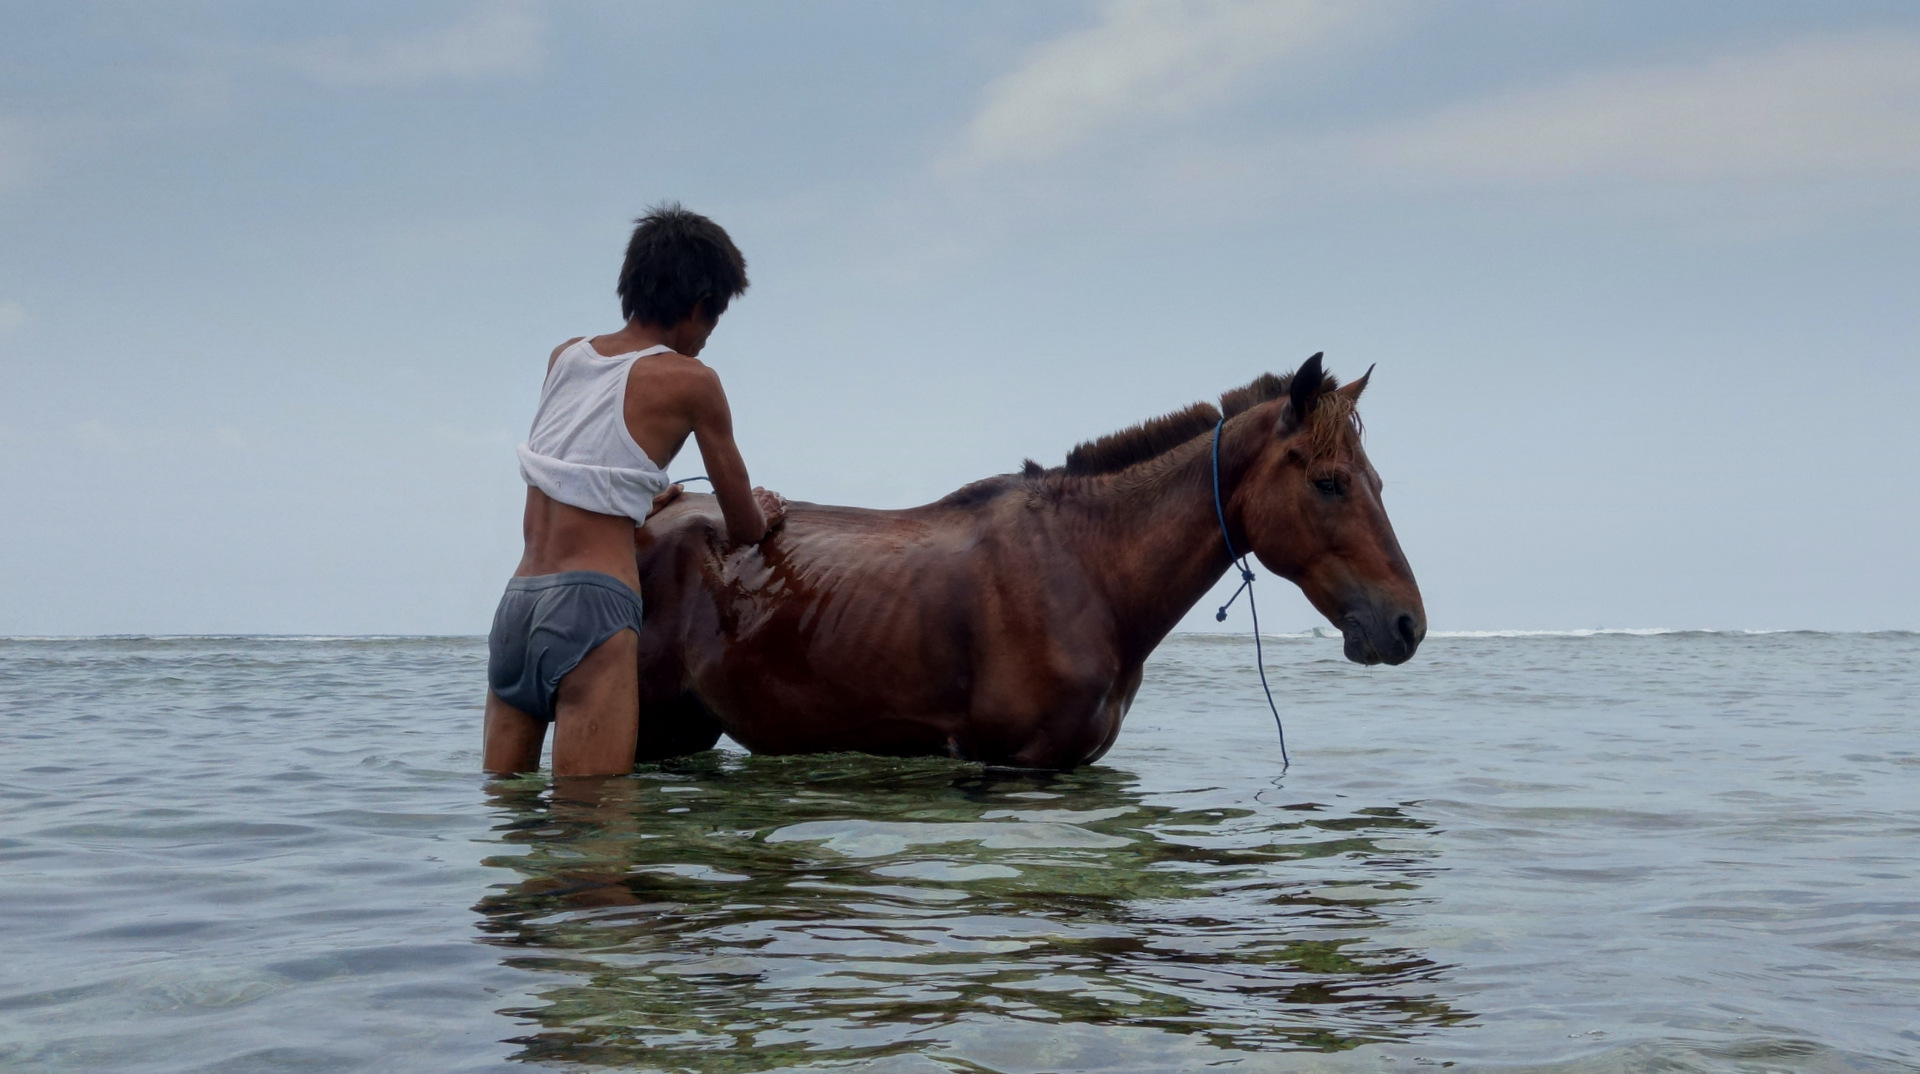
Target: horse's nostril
1409 634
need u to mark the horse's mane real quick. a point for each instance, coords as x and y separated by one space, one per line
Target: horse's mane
1155 437
1149 439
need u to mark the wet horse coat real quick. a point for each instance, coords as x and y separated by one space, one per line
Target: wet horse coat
1009 622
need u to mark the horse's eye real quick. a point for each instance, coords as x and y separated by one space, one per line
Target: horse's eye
1328 485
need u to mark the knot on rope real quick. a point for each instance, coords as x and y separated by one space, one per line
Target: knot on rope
1246 586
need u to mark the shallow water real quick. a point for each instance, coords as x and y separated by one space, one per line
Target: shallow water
1607 852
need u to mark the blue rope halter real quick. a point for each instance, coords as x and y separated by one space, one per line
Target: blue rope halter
1246 586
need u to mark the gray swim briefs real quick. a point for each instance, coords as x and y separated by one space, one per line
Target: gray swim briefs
546 625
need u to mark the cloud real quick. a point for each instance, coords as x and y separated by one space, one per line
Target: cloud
138 102
12 316
1826 108
501 38
1145 58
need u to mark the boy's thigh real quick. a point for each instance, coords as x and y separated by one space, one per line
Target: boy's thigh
511 739
596 713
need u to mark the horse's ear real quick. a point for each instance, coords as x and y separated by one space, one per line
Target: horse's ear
1352 391
1304 391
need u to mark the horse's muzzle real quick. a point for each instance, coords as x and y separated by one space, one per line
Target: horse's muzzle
1383 635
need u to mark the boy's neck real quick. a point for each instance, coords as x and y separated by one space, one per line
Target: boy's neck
687 337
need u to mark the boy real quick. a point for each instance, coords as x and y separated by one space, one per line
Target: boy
614 411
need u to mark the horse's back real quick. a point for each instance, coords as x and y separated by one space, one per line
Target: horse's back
858 576
812 537
956 627
854 625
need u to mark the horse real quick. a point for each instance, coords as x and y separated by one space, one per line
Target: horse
1009 622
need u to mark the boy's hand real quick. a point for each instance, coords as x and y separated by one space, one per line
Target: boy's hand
671 494
772 505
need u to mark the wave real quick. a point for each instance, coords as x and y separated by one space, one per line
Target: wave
1321 633
1649 632
244 637
1311 634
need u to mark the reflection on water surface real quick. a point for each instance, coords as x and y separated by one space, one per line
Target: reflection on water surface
737 913
1686 853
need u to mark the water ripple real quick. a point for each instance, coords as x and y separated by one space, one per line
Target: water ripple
1570 853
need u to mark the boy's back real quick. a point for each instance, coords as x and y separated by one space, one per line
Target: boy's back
614 411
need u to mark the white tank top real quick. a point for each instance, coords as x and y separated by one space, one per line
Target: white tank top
580 451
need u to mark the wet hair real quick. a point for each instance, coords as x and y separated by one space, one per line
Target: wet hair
676 261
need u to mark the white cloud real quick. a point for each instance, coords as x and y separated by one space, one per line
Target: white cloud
12 316
502 38
1145 58
1836 107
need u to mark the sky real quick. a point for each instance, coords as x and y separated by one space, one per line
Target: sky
1641 280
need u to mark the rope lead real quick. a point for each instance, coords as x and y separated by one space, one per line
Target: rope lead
1246 586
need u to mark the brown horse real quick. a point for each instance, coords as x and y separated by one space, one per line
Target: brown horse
1008 623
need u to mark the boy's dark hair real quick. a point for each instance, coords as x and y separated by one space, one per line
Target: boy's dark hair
675 261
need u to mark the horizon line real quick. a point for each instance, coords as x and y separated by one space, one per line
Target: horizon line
1310 634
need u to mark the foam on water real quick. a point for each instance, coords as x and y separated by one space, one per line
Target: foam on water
1573 851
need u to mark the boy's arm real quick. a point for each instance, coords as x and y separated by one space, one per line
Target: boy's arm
746 522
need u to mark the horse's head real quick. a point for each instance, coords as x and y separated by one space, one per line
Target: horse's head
1309 505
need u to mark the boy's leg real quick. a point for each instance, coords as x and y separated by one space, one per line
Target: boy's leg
512 739
597 712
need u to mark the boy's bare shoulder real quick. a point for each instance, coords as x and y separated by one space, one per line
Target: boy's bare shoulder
677 367
687 381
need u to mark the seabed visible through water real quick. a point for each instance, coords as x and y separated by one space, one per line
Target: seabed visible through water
1600 852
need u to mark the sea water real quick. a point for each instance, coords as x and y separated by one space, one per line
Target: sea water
1681 851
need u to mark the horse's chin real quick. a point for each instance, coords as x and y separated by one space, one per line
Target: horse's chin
1369 642
1358 649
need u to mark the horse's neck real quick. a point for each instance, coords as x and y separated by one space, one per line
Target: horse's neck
1154 538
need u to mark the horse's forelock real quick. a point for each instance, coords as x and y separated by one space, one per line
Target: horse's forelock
1332 427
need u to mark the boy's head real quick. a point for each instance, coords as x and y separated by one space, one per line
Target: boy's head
680 266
